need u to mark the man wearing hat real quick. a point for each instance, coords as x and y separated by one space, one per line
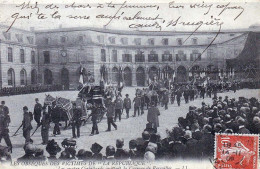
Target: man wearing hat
45 122
110 153
27 127
76 120
127 105
52 148
137 104
37 111
121 154
152 116
4 123
110 115
96 148
119 103
55 115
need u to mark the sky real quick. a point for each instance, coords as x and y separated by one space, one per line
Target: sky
204 13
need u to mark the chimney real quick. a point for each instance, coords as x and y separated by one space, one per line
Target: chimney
32 29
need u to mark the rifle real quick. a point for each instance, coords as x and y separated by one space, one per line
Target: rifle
15 134
36 129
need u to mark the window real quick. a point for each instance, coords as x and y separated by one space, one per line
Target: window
33 57
181 56
47 41
166 57
11 77
7 35
19 37
23 77
139 57
114 55
103 55
10 54
124 41
179 41
80 38
100 38
151 41
112 40
194 41
46 55
30 39
165 41
137 41
210 53
152 57
22 56
127 58
195 56
63 39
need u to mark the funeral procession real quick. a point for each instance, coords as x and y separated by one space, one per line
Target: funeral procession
87 93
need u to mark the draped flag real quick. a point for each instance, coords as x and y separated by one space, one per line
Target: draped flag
81 75
121 78
173 76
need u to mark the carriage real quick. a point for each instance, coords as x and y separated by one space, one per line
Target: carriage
65 106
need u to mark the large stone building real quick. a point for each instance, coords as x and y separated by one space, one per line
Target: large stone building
56 56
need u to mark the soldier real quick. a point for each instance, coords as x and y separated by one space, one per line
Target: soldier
178 96
173 93
55 115
165 99
4 123
186 95
110 115
119 105
94 116
27 118
202 91
37 111
127 105
76 120
46 119
137 104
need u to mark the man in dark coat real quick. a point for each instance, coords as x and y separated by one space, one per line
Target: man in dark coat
4 123
110 115
178 96
165 100
152 116
46 119
137 104
55 115
127 105
27 127
37 111
186 95
119 105
121 154
94 116
202 92
76 120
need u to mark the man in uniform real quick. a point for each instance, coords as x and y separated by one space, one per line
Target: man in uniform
76 120
27 127
137 104
110 115
37 111
178 96
118 107
55 115
127 105
46 119
4 123
94 115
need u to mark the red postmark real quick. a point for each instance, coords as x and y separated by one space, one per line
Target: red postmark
236 151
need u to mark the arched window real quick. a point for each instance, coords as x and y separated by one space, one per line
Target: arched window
34 77
33 57
23 78
10 54
103 55
114 55
11 77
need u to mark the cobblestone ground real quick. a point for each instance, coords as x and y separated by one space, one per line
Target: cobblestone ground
128 128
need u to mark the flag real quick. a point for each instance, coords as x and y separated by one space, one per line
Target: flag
173 76
121 78
81 75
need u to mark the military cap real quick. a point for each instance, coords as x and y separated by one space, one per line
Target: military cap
36 99
2 102
110 151
127 95
25 108
96 148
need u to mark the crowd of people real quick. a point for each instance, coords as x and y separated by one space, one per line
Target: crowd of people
192 138
28 89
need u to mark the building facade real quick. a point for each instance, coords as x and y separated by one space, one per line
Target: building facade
60 55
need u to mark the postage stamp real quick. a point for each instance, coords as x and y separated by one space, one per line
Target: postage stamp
236 151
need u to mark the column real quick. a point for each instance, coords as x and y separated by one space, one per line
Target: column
134 76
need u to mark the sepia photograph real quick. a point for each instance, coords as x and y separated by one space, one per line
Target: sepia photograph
129 85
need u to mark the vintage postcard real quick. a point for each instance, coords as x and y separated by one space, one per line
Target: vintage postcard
129 84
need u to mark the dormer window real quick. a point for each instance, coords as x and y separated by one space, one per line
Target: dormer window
124 41
151 41
63 39
112 40
137 41
30 39
7 35
100 38
179 41
19 37
165 41
194 41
